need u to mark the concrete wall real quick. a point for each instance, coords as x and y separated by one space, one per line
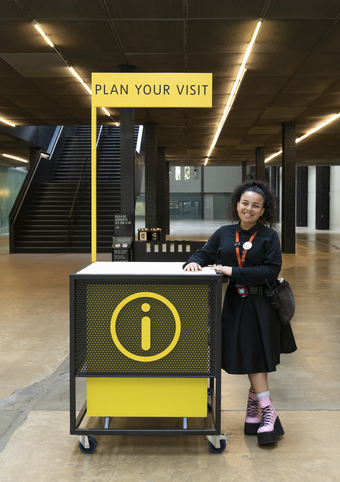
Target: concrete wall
221 178
190 185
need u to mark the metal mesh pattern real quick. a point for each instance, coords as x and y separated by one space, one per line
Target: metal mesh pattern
109 329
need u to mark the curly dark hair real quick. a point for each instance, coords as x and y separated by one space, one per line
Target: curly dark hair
269 216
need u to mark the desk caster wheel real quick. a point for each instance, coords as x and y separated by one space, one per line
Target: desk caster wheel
220 449
91 448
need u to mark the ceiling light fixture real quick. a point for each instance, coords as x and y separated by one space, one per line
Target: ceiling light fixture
320 126
16 158
234 90
331 119
77 76
109 115
231 99
274 155
60 55
6 122
40 30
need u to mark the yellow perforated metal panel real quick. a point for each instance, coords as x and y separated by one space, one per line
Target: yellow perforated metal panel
144 328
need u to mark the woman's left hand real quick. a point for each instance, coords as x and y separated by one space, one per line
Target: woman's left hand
226 270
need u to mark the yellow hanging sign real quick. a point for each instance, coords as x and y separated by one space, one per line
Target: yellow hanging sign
141 90
151 90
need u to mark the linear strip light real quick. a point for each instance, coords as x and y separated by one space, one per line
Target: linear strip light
331 119
40 30
234 90
109 115
77 76
16 158
227 109
6 122
274 155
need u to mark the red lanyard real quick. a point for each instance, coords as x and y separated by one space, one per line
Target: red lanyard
237 249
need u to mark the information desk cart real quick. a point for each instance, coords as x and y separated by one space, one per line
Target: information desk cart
146 336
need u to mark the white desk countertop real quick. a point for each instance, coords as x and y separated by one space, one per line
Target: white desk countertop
141 268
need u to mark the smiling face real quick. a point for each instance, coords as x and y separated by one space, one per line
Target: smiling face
250 209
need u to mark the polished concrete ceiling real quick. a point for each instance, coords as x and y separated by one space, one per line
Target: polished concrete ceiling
293 72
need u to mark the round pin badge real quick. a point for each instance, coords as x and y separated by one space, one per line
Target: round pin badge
247 245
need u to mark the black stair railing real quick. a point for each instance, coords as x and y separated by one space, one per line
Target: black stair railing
36 175
79 191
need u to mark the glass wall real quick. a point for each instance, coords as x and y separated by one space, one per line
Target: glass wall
10 183
188 198
185 206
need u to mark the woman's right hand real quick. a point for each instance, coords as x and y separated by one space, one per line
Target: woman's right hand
193 267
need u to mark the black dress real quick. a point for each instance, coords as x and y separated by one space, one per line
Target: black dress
252 335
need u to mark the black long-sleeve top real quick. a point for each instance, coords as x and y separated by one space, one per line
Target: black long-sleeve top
263 260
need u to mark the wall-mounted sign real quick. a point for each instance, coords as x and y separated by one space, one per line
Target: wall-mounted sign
151 90
123 223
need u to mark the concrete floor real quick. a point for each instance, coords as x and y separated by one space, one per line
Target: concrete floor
34 414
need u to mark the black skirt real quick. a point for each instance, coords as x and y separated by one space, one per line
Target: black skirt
252 335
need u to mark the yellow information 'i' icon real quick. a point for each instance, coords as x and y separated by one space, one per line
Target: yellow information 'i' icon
146 328
145 324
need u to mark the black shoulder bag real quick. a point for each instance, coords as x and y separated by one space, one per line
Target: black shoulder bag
281 299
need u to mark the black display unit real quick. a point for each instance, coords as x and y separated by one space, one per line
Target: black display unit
149 328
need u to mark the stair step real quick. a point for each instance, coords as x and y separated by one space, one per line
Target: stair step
47 225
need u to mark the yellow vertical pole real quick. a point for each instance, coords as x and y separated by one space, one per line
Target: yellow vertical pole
94 184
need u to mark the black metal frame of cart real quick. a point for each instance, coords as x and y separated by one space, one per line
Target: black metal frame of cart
79 366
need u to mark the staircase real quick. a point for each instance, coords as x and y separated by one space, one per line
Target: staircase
46 227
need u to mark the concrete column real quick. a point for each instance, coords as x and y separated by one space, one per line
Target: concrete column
167 197
127 158
202 193
244 171
161 207
322 197
288 187
301 195
150 175
260 172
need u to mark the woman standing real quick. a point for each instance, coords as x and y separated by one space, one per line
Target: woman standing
252 335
